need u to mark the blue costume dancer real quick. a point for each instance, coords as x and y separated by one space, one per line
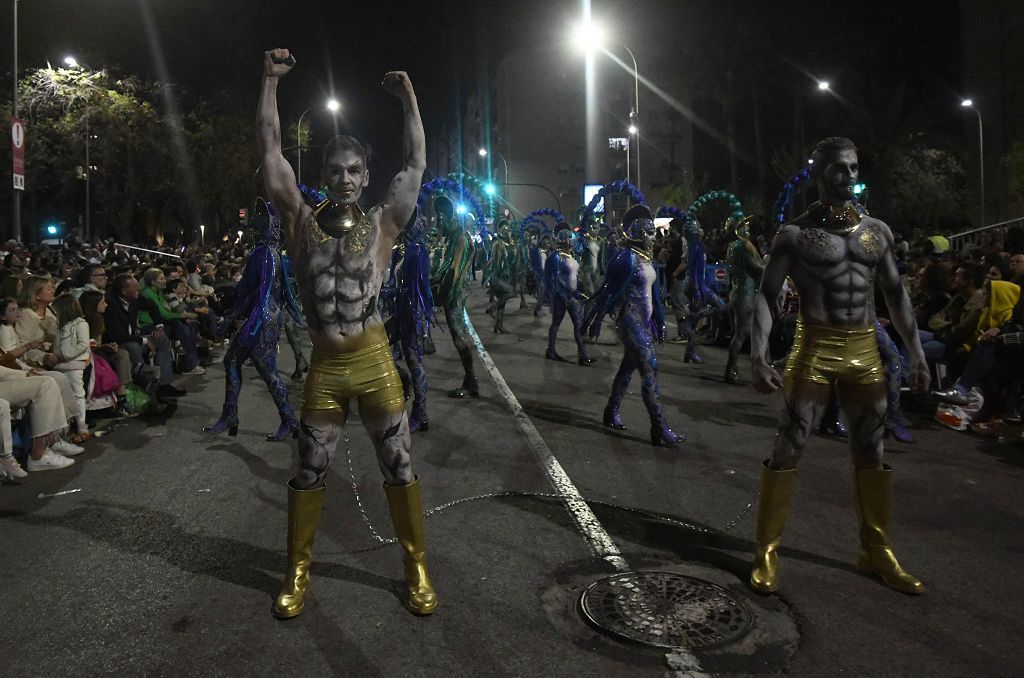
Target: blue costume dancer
263 296
414 314
630 288
561 283
698 300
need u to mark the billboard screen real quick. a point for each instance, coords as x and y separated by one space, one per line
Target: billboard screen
589 191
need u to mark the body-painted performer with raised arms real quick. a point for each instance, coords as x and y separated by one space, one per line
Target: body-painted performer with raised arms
834 255
264 300
561 283
341 257
630 289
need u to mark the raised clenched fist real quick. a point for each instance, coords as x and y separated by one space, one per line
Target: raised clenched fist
397 83
277 63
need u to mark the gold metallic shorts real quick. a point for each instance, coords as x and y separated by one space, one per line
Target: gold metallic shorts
362 369
829 355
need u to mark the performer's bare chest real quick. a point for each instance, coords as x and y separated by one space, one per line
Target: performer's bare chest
825 249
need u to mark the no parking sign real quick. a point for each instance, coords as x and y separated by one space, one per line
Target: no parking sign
18 152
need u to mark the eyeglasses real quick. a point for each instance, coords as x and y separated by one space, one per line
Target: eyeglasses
98 275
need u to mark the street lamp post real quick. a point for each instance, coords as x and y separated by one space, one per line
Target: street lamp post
589 34
16 202
967 103
333 106
71 62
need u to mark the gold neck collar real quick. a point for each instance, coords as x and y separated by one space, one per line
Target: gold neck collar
842 219
344 217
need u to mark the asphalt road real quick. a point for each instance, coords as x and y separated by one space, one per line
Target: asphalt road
168 559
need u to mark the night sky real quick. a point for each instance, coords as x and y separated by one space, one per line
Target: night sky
344 48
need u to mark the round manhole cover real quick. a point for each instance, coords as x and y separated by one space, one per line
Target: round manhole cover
665 609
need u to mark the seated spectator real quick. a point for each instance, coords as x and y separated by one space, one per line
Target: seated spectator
92 277
121 327
932 292
72 348
999 298
37 322
94 305
953 327
157 314
41 397
9 466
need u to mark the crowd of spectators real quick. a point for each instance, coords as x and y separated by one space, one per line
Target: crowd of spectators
100 331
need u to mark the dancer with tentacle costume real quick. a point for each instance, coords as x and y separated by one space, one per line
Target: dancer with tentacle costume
835 255
451 281
745 270
341 257
263 298
630 289
501 273
562 286
414 315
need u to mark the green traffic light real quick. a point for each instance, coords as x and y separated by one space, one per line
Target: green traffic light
859 188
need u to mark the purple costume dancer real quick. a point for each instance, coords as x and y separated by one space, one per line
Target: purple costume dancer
630 289
263 296
561 284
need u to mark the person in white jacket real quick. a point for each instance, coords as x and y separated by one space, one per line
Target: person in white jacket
72 348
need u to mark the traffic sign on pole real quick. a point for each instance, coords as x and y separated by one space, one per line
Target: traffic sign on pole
18 152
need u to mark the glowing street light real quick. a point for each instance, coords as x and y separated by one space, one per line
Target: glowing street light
823 85
482 152
968 103
461 209
333 106
633 129
202 234
71 62
490 189
588 35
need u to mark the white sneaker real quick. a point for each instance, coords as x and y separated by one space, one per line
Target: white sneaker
10 468
50 461
198 369
67 449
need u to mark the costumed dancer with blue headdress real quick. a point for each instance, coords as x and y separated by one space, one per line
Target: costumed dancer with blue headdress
561 284
451 280
264 295
745 268
590 261
538 246
630 289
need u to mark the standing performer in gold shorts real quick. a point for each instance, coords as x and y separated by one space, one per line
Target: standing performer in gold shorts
834 253
341 256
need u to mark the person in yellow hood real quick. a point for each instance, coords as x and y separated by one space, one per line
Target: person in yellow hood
999 298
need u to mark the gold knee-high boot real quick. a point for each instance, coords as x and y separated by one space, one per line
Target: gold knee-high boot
875 508
407 517
303 518
776 490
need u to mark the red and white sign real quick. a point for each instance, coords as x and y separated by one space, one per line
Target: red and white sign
18 152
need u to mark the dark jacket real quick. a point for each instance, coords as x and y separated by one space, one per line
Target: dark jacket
121 325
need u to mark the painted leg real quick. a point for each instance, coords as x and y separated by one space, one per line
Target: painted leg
557 315
266 366
233 359
741 318
778 476
460 337
661 434
864 407
688 329
895 423
390 435
612 415
575 309
831 423
418 420
319 435
292 333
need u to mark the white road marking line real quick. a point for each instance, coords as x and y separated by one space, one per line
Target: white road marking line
597 537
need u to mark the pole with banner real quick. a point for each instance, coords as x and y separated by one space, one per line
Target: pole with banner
18 152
